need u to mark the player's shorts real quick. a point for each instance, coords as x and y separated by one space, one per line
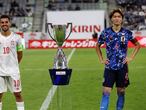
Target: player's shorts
120 77
10 83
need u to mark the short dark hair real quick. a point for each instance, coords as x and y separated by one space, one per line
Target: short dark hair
5 16
116 11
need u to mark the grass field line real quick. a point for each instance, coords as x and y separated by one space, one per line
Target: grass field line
53 89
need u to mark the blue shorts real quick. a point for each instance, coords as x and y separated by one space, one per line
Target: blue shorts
120 77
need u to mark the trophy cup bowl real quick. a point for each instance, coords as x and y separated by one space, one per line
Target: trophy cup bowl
60 74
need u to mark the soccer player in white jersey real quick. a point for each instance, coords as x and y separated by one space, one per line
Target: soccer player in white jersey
10 57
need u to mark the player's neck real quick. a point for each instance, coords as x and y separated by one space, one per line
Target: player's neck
6 34
116 28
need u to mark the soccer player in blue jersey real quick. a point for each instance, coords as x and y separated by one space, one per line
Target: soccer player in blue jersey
116 70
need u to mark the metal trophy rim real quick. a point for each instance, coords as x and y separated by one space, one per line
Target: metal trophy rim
59 24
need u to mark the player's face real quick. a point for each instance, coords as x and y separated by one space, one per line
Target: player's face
117 19
5 24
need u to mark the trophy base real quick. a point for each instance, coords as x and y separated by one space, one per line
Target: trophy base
60 76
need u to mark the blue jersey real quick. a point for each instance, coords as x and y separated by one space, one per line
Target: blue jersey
116 46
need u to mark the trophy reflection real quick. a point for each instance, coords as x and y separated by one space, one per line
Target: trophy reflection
60 74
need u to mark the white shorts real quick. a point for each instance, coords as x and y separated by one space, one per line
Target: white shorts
10 83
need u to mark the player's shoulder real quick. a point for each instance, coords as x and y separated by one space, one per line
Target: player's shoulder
106 30
15 35
127 31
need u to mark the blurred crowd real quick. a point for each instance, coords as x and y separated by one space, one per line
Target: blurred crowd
135 13
15 8
71 5
20 12
134 10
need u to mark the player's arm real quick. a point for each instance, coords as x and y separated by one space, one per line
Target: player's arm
134 52
19 55
136 49
99 53
19 52
100 41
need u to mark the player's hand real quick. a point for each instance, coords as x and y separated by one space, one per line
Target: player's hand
104 61
127 60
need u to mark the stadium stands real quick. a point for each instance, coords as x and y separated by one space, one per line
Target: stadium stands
71 4
28 17
135 13
21 12
134 10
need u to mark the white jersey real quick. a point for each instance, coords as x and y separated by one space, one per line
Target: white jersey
8 55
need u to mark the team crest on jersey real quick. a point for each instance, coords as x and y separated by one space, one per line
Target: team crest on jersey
123 38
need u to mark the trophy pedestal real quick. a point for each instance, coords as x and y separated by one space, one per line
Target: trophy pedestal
60 76
62 99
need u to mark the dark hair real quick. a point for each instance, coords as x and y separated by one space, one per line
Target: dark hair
116 11
5 16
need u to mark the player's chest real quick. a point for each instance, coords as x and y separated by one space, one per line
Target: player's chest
116 38
8 43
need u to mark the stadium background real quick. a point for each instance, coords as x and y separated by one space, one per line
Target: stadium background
85 90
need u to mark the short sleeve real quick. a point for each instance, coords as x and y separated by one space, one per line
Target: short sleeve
101 38
130 36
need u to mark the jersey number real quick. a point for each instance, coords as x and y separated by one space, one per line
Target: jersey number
6 50
17 84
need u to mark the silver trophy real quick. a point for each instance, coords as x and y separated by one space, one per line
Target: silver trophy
59 73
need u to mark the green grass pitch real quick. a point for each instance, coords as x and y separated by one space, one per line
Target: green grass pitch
85 88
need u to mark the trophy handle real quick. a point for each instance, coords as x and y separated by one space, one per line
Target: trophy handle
69 24
47 26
